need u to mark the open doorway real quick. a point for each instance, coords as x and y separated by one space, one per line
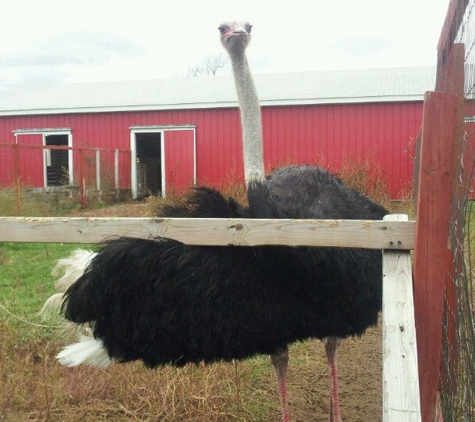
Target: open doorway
163 160
149 164
57 161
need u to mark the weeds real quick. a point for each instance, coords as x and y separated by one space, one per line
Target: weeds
364 177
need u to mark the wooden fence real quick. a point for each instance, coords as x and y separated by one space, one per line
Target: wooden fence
395 235
92 166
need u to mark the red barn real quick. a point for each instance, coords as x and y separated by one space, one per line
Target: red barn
171 133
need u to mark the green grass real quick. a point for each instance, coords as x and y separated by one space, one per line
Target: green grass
25 274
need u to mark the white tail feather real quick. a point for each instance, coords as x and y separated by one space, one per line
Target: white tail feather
89 351
73 267
52 304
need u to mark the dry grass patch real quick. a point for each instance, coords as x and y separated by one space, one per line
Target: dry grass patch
35 387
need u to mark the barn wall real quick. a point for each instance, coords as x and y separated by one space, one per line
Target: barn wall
332 135
325 134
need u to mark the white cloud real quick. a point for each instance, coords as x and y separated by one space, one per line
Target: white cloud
362 47
54 59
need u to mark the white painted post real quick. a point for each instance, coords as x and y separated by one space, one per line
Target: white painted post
401 401
98 170
116 169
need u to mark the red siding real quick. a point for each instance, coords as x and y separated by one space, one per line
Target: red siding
179 159
31 160
332 134
324 134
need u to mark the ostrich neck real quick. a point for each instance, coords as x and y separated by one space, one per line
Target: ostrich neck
251 121
260 203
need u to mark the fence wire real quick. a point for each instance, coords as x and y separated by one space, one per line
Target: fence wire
458 371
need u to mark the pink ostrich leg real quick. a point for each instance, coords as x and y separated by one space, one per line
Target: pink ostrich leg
280 362
331 346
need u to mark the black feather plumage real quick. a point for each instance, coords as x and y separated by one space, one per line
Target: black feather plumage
165 302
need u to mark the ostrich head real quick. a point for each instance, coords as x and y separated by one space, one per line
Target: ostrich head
235 36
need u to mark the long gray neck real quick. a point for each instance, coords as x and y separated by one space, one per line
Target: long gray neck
251 121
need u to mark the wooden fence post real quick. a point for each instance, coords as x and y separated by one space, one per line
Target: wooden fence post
98 170
17 172
82 178
401 399
453 69
116 169
430 254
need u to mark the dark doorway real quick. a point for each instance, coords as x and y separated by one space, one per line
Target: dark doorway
149 164
57 161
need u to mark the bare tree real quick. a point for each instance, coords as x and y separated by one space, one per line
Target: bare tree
209 65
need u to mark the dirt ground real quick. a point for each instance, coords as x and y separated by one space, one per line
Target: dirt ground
360 381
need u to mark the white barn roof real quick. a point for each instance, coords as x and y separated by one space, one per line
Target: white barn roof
297 88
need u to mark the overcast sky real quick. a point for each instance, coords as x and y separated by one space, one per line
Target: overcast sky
50 41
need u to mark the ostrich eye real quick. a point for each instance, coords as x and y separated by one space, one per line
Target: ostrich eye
248 28
223 29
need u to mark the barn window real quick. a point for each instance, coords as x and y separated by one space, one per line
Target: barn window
44 167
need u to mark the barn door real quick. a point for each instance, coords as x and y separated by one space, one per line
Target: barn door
179 166
57 161
31 165
148 164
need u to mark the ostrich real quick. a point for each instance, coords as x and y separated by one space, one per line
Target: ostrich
290 192
165 302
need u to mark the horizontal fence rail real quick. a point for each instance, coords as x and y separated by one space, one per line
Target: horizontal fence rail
369 234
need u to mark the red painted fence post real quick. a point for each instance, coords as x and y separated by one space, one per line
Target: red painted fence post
451 78
430 253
